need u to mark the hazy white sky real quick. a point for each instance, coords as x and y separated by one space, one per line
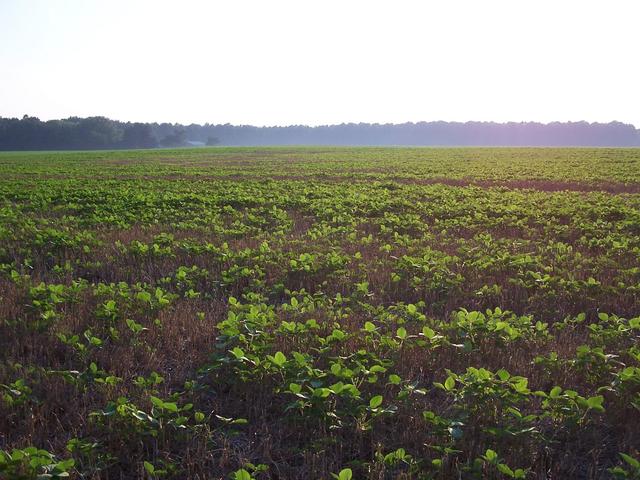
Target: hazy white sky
320 62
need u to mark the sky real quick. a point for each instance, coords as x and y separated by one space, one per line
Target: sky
321 62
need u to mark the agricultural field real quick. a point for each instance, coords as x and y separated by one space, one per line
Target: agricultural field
319 313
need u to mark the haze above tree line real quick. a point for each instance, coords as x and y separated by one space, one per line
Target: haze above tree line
74 133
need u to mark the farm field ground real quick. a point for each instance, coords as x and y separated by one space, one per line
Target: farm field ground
307 313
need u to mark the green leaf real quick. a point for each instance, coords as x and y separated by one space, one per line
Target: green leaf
156 401
337 388
505 469
449 383
279 359
369 327
172 407
321 392
149 468
555 392
241 474
521 385
596 403
18 454
501 326
428 332
630 460
394 379
238 352
345 474
490 455
295 388
376 401
401 333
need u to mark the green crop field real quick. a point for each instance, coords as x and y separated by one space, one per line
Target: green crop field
318 313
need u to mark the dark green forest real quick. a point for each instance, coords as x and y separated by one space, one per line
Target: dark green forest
74 133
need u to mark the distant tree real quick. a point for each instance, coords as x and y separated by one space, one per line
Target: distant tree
98 132
176 139
138 135
211 141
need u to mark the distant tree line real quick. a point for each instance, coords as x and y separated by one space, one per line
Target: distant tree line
30 133
431 134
